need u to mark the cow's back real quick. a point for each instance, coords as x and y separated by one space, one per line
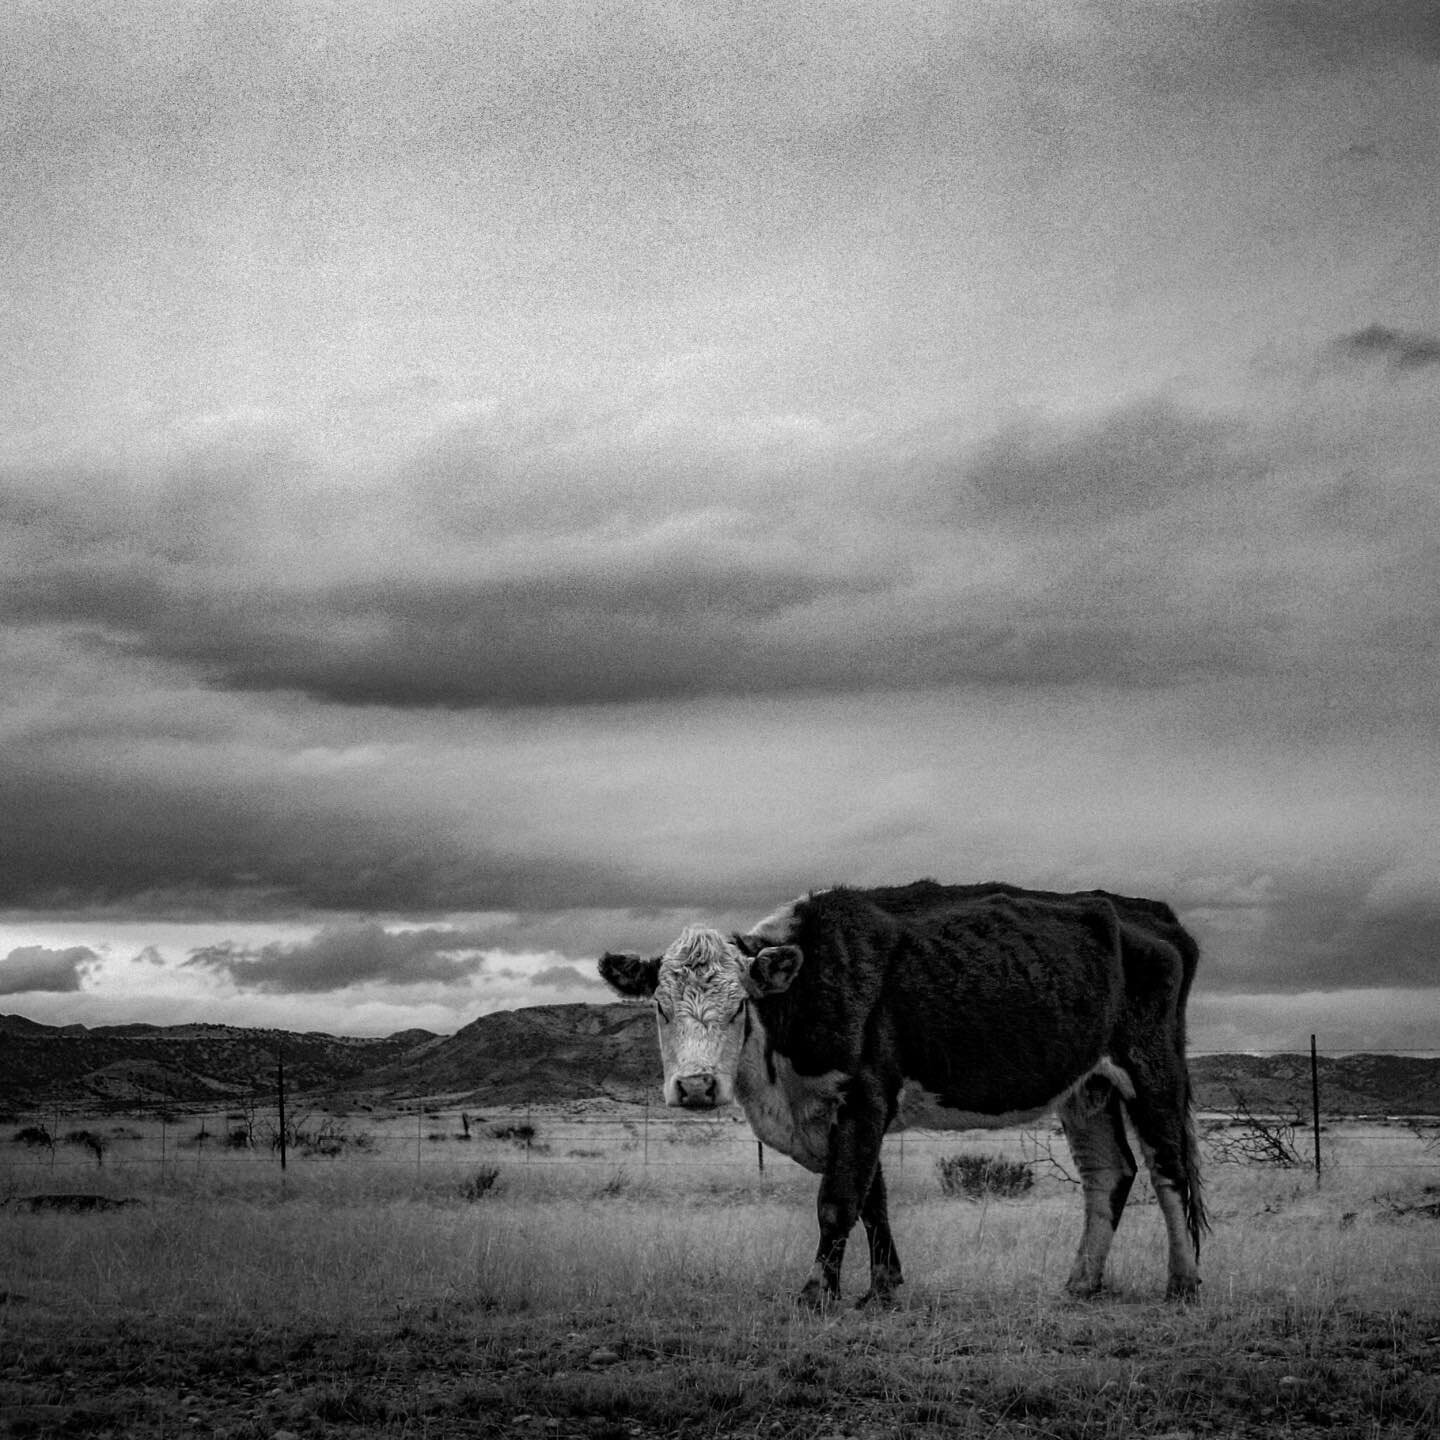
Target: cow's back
1142 920
991 1002
1002 1000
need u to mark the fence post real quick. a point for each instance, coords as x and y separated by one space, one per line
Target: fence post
280 1096
646 1160
1315 1103
760 1155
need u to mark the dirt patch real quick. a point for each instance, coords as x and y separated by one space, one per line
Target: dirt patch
73 1204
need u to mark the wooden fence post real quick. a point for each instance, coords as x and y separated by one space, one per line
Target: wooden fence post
280 1096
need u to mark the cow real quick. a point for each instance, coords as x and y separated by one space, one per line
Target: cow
994 1003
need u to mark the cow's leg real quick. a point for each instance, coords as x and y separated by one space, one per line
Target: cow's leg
885 1273
1184 1272
1161 1115
1095 1130
850 1168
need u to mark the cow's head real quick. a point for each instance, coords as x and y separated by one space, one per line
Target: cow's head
702 987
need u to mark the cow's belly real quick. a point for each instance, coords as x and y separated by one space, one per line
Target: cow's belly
924 1109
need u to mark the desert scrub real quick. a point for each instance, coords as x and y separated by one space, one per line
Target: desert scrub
977 1176
481 1183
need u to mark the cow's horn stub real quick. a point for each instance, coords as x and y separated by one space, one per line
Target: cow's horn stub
773 969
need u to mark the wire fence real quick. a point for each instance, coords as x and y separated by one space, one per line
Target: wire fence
277 1127
584 1150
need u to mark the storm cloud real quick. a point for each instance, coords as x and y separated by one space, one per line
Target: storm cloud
1401 349
494 482
339 956
32 968
1048 552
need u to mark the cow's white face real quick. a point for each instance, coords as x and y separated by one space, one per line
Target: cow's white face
701 987
700 1015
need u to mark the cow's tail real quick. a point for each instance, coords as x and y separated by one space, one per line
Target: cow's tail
1197 1221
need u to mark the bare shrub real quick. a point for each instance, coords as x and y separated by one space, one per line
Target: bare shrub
89 1140
525 1135
1427 1132
520 1134
481 1183
1244 1137
974 1176
33 1135
1039 1149
327 1136
331 1138
614 1185
1427 1203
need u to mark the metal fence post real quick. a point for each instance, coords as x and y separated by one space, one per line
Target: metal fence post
1315 1103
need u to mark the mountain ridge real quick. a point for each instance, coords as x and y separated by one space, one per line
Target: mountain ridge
542 1054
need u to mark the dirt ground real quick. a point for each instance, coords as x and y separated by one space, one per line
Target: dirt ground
1117 1367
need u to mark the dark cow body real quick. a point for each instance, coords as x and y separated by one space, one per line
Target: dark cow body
996 1001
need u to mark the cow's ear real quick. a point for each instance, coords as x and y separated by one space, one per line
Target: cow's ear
772 970
629 974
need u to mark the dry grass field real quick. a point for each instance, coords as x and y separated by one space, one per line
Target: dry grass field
624 1279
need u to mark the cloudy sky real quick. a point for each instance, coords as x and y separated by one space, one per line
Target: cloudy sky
484 484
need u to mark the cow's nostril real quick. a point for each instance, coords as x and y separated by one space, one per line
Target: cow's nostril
697 1091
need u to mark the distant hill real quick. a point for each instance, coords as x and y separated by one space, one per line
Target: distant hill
545 1054
537 1055
1349 1084
120 1066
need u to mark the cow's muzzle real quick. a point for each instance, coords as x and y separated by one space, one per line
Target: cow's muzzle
697 1092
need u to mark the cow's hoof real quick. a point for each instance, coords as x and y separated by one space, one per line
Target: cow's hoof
815 1296
884 1281
878 1300
1183 1289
